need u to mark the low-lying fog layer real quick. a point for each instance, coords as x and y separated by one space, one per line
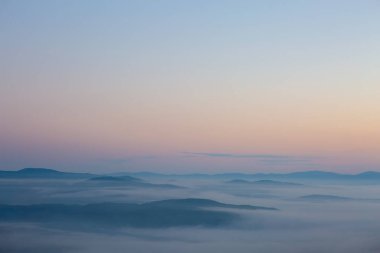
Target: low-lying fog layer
310 216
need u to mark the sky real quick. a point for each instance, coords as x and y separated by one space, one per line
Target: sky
190 86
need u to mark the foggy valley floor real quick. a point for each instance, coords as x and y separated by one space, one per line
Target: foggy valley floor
49 211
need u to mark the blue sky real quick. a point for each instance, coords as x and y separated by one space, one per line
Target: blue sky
86 82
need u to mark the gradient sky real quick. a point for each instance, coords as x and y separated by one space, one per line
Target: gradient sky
190 86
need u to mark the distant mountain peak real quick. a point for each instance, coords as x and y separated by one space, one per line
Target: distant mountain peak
324 197
274 183
42 173
369 174
38 170
198 203
238 181
263 182
114 179
191 201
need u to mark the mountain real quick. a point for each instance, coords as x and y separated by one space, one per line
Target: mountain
238 181
323 175
181 176
321 197
302 175
157 214
316 175
369 175
42 173
115 179
91 179
267 182
264 182
202 203
129 181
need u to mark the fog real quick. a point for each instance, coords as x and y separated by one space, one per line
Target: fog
312 224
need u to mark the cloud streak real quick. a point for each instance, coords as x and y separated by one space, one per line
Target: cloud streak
253 156
265 159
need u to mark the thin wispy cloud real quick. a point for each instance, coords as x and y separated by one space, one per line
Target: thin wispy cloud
264 159
127 159
254 156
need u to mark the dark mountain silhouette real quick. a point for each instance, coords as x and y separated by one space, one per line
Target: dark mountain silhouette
115 179
321 197
201 203
264 182
369 175
238 181
157 214
41 173
303 175
126 181
94 180
315 175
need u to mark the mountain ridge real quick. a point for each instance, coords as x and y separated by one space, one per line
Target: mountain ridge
155 214
43 173
315 174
